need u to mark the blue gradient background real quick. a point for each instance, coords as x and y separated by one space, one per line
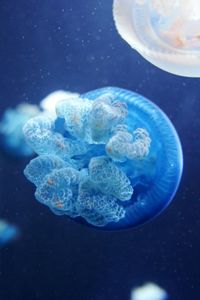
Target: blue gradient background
53 44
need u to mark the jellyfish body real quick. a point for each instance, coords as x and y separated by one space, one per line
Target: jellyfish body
166 33
110 159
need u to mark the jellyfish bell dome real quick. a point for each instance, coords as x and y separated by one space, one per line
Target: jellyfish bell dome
166 33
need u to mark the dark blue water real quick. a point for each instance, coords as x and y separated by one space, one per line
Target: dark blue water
73 45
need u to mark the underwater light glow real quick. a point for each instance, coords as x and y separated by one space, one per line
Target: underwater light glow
110 158
166 33
7 232
149 291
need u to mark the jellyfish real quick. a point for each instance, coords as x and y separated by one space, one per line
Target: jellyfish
166 33
8 232
109 158
149 291
11 136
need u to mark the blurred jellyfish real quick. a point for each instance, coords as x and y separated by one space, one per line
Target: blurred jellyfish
7 232
110 158
149 291
11 124
166 33
48 104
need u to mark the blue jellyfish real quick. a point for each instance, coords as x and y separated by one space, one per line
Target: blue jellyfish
166 33
109 158
7 232
11 135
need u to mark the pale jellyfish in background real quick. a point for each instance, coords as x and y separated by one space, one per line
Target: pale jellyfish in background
48 104
165 32
8 232
149 291
11 136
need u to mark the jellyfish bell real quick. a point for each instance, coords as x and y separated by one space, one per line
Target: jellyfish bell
166 33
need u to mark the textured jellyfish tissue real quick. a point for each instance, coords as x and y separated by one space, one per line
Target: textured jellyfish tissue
109 158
